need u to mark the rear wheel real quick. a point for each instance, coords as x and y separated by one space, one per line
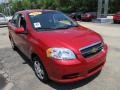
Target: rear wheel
39 69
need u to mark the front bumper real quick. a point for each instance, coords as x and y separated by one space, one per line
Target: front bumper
74 70
116 18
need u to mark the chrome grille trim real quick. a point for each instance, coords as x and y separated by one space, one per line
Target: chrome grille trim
88 51
90 45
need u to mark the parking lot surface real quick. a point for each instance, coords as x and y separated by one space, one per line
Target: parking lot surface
22 75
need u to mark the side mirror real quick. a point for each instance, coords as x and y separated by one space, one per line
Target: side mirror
19 30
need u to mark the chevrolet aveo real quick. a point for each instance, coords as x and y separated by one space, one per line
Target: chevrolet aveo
59 48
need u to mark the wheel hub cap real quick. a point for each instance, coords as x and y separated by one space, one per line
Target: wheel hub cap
39 70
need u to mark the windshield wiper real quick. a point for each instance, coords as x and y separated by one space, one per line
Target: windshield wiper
67 27
43 29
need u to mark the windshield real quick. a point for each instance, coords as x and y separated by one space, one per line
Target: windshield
51 20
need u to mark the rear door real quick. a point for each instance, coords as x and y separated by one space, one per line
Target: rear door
12 25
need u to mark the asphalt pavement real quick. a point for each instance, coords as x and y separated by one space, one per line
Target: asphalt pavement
22 77
2 81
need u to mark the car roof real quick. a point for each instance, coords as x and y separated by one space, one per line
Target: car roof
34 10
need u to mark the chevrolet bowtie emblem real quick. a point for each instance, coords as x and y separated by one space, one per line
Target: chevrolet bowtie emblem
94 50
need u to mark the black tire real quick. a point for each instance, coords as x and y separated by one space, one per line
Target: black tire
40 70
115 22
14 47
89 20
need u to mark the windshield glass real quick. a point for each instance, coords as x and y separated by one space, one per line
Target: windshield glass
51 20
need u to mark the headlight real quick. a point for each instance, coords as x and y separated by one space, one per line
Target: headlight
60 53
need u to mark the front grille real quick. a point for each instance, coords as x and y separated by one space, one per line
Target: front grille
91 50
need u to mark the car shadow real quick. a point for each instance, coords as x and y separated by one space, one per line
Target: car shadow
25 58
74 85
59 86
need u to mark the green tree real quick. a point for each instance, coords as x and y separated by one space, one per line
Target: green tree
63 5
1 8
114 6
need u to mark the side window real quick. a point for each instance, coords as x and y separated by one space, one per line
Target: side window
15 19
22 22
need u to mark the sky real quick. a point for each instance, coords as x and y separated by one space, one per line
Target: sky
2 1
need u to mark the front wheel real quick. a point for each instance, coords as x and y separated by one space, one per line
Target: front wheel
40 70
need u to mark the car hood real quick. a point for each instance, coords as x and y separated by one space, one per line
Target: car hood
73 38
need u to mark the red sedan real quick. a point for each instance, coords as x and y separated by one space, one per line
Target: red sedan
88 16
116 18
59 48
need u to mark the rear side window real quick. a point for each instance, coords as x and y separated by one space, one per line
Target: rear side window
22 22
15 19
